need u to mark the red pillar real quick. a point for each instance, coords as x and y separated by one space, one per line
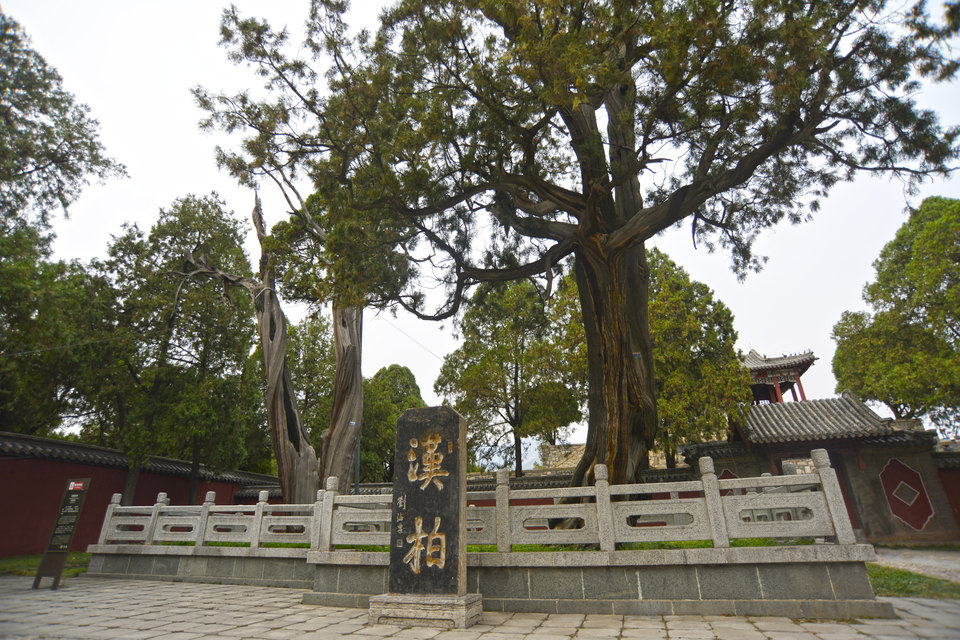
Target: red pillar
776 386
803 396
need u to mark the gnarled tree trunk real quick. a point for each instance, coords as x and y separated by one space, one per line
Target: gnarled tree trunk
297 465
339 441
296 459
622 399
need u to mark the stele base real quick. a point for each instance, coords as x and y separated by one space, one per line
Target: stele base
452 612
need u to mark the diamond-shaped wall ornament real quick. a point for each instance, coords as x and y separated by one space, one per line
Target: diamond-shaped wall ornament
906 495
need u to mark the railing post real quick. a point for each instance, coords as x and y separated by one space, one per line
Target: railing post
201 533
711 495
504 543
604 508
105 529
326 519
256 527
318 521
834 498
162 501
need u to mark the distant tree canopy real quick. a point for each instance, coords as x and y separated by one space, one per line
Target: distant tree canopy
49 144
171 373
386 395
391 391
906 353
509 378
49 149
494 139
312 362
701 385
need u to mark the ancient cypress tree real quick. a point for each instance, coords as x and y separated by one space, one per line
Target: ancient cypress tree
498 138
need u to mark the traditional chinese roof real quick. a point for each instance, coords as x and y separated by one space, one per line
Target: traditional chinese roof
759 364
827 419
16 445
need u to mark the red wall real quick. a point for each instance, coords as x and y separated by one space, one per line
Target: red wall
31 490
950 479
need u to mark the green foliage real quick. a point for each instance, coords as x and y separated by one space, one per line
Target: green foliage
700 383
49 148
312 361
76 564
391 391
907 353
897 583
918 276
49 144
507 379
177 380
43 313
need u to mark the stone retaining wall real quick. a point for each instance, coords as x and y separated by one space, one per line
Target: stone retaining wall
220 565
799 582
810 581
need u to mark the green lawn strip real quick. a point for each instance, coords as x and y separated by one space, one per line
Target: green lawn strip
887 581
27 565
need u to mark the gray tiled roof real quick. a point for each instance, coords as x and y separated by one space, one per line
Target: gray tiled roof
756 362
947 459
831 418
17 445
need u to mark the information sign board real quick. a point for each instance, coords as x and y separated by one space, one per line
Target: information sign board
64 528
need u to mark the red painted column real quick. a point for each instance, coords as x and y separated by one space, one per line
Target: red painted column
776 385
803 396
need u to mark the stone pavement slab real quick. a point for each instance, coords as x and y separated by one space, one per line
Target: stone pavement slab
87 608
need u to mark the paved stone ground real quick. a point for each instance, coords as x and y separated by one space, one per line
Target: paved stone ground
939 564
93 608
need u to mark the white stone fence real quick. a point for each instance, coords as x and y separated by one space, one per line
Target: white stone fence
788 506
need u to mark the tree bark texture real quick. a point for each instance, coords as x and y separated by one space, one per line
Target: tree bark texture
296 460
339 441
622 398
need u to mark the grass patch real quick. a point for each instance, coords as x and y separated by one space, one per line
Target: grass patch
77 563
676 544
898 583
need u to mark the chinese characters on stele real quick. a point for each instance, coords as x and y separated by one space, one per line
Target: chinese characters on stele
426 548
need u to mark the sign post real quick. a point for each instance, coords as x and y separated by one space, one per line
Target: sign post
427 582
58 548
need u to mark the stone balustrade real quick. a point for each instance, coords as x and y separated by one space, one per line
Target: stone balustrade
602 515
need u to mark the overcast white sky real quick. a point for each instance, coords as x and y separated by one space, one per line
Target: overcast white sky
134 64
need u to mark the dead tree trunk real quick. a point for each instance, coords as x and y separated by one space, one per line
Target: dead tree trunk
296 459
297 464
339 441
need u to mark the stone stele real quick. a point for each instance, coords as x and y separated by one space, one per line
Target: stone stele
428 561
